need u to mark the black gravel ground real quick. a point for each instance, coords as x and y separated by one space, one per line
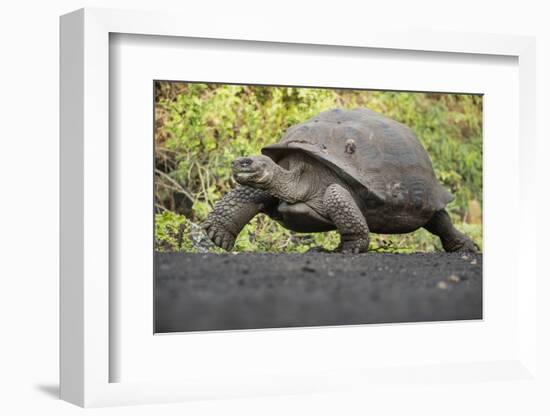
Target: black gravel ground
199 292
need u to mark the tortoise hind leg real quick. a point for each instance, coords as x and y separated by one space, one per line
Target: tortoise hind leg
348 219
451 239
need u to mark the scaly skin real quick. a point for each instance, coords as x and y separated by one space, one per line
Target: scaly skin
263 183
451 239
350 222
233 212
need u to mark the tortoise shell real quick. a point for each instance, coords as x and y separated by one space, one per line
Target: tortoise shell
380 158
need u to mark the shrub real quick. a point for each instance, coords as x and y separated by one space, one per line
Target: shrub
201 128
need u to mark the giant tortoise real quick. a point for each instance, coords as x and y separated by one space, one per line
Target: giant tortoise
354 171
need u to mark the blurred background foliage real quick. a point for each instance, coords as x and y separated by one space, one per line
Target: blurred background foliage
201 128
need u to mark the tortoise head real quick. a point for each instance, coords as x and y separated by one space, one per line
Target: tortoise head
254 171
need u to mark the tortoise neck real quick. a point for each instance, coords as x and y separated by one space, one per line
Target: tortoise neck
284 185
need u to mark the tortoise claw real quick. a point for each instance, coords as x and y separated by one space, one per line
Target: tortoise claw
462 245
468 246
358 246
227 242
219 235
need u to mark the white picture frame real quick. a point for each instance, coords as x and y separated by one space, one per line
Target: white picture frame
86 263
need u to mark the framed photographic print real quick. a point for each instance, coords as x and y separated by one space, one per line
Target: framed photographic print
245 214
307 173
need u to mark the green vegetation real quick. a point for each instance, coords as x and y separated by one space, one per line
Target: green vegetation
202 128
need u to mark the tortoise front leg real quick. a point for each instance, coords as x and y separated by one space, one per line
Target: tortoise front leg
348 219
233 212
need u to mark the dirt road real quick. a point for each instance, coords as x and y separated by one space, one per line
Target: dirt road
195 292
